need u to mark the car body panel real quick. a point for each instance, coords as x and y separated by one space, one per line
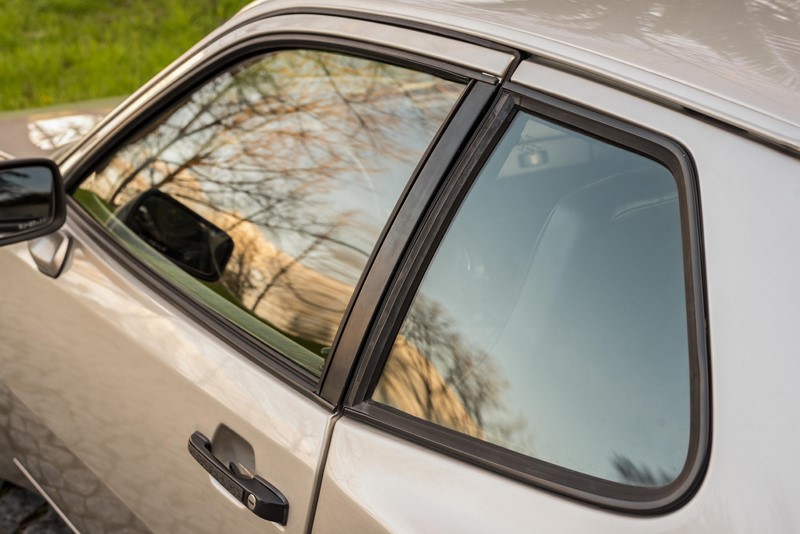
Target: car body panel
123 379
751 224
123 376
34 451
8 470
367 488
690 55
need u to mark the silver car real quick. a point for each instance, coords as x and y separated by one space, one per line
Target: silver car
455 266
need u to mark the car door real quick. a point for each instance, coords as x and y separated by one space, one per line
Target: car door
539 361
219 226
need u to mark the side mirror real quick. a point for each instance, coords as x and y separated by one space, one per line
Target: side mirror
32 199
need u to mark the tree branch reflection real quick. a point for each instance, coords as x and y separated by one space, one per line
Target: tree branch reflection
434 374
299 156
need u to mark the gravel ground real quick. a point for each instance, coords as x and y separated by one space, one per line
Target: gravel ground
24 512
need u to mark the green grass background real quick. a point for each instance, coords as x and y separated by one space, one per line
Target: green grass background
58 51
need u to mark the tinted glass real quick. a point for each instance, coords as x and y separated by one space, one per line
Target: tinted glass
297 159
552 320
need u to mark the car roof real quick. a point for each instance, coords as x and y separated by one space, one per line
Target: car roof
736 61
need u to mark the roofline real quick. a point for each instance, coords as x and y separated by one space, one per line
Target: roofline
737 116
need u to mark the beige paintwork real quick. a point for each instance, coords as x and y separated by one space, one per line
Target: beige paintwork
751 221
738 62
123 379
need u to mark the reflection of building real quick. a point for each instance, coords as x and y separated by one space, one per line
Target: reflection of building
281 290
273 285
411 383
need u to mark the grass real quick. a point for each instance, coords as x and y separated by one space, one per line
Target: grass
58 51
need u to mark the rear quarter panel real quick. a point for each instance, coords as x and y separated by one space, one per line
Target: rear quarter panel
750 206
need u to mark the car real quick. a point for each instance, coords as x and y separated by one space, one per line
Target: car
458 266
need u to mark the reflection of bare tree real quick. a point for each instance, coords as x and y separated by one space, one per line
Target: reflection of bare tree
281 272
299 156
639 475
434 374
237 276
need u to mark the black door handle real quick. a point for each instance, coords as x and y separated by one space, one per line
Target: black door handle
258 495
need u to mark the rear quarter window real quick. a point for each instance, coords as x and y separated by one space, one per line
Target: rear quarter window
553 318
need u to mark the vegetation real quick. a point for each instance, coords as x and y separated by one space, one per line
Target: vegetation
57 51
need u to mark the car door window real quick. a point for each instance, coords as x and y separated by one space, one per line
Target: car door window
552 320
263 193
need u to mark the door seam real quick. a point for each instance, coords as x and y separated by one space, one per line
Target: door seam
320 470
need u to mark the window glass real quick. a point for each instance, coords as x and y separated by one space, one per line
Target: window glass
264 192
552 319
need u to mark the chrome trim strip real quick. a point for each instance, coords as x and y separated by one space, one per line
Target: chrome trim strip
45 495
485 60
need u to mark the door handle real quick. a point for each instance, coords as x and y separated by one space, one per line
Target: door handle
258 495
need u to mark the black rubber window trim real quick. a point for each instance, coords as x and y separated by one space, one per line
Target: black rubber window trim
395 238
222 60
382 19
586 488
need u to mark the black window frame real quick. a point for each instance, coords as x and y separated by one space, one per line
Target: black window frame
589 489
479 87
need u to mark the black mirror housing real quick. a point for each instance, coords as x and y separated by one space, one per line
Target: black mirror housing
32 199
192 242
